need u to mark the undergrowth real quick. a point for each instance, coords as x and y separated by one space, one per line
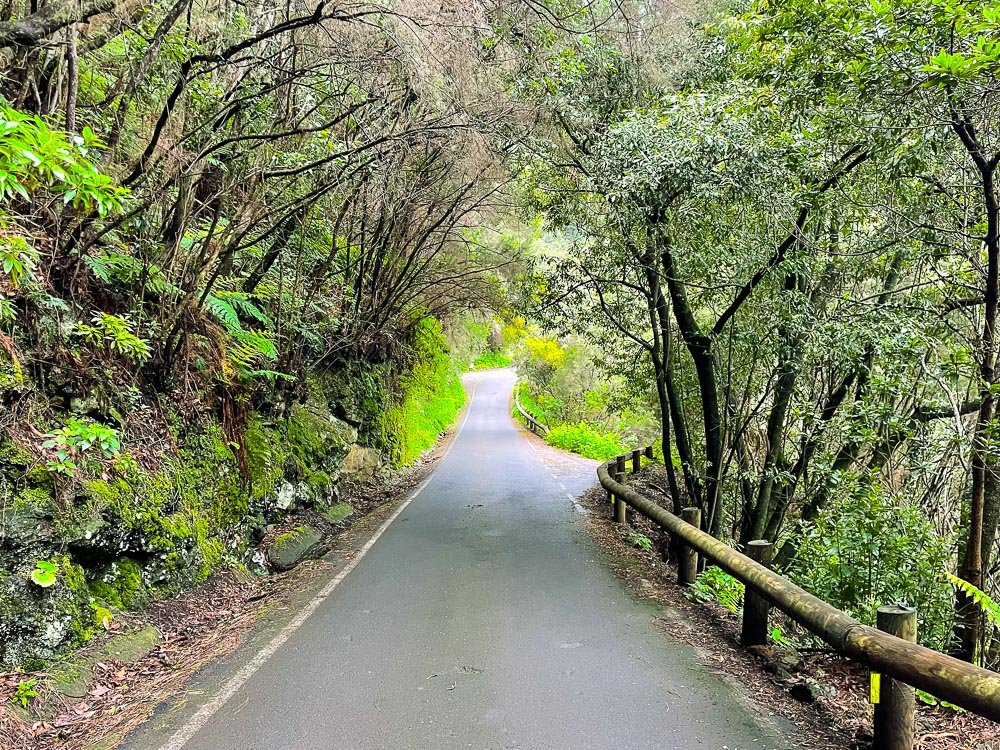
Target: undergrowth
586 440
431 395
491 359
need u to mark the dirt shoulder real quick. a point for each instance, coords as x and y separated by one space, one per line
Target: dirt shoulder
146 659
823 695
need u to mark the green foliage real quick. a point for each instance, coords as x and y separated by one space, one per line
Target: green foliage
869 549
491 359
431 395
33 157
586 440
75 441
17 258
115 334
249 352
990 608
122 268
641 541
715 585
44 574
25 692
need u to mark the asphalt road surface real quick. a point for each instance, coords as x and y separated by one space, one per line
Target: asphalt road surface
483 618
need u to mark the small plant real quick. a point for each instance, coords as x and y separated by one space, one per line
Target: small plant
44 574
17 258
641 541
115 334
25 692
715 585
8 313
75 440
927 699
778 636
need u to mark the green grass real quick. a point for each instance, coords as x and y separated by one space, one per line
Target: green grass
489 360
586 440
432 395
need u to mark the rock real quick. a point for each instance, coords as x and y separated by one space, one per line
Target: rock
338 513
36 622
287 495
23 523
788 660
783 662
360 464
74 677
291 548
809 690
130 647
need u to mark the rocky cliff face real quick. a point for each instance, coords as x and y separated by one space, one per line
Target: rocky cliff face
112 542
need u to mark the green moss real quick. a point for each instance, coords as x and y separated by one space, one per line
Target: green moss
122 586
319 479
34 498
75 605
102 615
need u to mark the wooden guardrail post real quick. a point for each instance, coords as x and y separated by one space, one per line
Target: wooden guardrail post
620 464
619 477
648 452
687 560
636 461
894 701
755 607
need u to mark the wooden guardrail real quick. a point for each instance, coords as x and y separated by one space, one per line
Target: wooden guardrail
897 663
533 424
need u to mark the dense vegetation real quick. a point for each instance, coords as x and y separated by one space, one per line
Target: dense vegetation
234 239
229 236
784 224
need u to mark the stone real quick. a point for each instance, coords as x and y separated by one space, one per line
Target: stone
131 647
338 513
74 677
291 548
809 690
360 464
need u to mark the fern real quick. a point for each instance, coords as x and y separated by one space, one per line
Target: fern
224 312
241 302
125 269
989 607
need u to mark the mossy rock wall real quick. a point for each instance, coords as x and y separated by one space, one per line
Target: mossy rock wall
120 541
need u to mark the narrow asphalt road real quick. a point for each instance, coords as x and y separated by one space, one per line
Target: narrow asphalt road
482 619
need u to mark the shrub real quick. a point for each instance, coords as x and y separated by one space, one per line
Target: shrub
715 585
490 359
869 549
586 440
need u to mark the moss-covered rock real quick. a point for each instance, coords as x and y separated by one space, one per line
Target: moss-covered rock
35 621
73 677
338 513
291 548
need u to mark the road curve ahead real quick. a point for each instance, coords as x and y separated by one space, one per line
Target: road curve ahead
482 619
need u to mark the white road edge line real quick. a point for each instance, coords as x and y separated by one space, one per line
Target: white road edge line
182 736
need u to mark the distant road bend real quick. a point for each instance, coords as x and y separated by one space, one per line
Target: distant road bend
481 618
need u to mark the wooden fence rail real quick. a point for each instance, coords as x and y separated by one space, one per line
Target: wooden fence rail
533 424
897 658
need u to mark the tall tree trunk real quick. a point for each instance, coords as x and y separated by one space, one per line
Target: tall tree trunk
968 625
700 347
